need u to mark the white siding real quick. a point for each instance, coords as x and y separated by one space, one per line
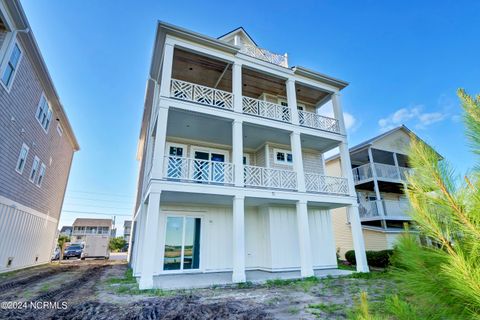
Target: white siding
284 238
322 239
24 236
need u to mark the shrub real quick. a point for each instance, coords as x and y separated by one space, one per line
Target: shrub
380 259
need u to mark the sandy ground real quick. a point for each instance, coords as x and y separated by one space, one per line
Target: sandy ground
98 289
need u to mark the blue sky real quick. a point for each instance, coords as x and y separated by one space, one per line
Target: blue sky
404 61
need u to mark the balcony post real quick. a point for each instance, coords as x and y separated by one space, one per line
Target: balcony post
396 165
358 242
292 100
150 241
237 87
159 143
167 65
338 112
237 152
304 240
379 203
298 160
238 274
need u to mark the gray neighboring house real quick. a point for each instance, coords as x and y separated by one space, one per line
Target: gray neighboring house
36 146
66 231
127 230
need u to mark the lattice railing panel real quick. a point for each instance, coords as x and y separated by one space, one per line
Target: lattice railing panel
266 109
313 120
270 178
200 94
179 168
315 182
265 55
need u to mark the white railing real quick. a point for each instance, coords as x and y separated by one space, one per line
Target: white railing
391 208
187 169
315 182
384 171
205 95
266 109
313 120
362 173
265 55
270 178
396 208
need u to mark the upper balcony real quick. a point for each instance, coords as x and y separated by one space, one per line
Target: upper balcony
392 210
207 81
384 172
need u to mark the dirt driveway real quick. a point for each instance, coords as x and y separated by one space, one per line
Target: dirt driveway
106 290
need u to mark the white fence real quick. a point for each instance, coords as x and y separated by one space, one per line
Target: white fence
313 120
270 178
205 95
383 171
266 109
265 55
178 168
391 208
315 182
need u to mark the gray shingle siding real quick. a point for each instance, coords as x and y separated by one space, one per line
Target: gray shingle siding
18 125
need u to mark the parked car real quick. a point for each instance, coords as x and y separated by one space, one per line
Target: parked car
56 254
74 251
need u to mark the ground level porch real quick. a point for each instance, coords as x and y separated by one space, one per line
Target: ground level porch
205 280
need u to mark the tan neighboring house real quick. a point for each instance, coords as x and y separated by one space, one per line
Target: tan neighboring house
36 146
379 167
94 234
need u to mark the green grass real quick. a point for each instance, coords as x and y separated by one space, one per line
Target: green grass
127 278
305 284
342 266
293 310
45 287
245 285
325 308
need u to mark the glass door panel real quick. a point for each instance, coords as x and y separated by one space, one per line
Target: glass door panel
201 168
176 163
191 255
173 244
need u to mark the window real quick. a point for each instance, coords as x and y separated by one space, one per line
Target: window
59 129
283 156
33 172
41 175
44 113
22 158
11 67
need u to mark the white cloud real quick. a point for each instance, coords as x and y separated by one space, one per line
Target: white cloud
414 115
351 123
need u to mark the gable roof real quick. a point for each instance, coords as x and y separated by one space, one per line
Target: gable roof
86 222
241 31
371 141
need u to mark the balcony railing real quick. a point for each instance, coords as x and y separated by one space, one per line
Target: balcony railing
270 178
200 94
391 208
266 109
265 55
315 182
383 171
196 170
313 120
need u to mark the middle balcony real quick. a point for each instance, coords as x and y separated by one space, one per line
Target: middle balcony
198 150
209 81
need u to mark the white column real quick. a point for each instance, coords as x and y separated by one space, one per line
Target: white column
357 235
238 239
237 87
304 239
375 185
160 140
237 152
338 112
296 144
347 167
292 100
167 65
150 242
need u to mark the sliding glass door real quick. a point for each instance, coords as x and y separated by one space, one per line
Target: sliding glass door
182 243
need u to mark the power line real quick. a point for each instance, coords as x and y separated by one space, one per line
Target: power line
103 200
104 193
95 206
97 213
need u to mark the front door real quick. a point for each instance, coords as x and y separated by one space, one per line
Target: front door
209 166
176 161
182 243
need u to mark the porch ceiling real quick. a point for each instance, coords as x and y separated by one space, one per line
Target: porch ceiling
203 70
255 136
308 94
256 83
318 143
191 198
198 126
